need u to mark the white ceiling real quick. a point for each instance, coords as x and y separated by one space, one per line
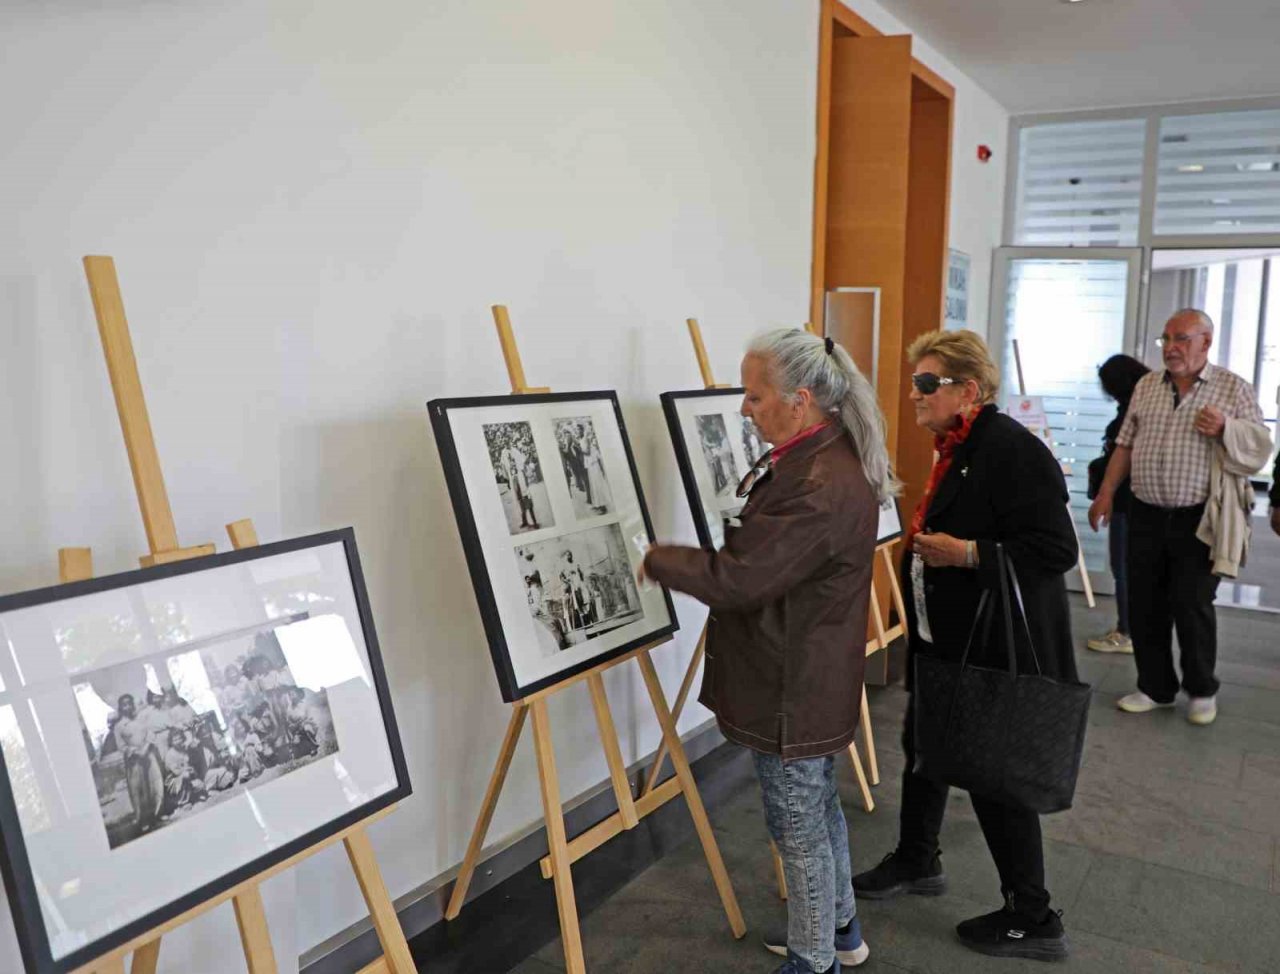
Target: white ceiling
1046 55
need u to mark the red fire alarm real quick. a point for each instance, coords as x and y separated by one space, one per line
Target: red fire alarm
984 153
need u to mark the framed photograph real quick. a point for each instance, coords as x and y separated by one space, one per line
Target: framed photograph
890 522
554 525
715 447
170 732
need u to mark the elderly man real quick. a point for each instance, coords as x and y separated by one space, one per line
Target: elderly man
1190 432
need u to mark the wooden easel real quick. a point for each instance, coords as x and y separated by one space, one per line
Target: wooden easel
75 564
564 852
1080 565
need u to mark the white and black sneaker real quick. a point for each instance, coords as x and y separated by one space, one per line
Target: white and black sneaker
1007 933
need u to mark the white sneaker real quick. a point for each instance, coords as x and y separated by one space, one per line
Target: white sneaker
1139 703
1202 710
1111 642
855 957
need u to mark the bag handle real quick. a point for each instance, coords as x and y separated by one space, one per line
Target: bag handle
1009 591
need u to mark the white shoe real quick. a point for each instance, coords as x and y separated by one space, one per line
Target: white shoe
1139 703
1111 642
1202 710
852 958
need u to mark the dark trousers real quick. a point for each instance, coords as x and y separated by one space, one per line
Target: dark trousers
1118 543
1171 586
1012 834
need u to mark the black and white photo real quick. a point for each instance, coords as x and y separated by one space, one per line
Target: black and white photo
518 474
717 453
583 466
715 448
556 602
579 585
753 444
178 734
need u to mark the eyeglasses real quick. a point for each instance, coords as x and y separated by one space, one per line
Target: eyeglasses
761 467
1164 341
927 383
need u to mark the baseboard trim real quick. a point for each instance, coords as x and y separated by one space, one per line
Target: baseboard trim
422 908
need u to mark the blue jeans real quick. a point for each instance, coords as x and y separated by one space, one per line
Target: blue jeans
1118 542
802 811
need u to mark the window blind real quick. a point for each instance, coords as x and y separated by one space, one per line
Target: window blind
1219 174
1080 183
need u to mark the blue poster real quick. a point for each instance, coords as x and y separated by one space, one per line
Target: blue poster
957 306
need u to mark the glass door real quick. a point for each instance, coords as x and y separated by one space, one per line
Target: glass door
1056 315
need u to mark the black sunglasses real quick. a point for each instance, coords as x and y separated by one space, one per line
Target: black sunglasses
761 467
927 383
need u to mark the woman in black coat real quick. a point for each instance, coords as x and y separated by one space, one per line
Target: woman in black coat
993 482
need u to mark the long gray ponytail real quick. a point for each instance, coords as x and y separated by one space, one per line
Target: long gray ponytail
799 360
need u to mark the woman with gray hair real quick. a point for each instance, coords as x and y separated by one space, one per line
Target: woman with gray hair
788 595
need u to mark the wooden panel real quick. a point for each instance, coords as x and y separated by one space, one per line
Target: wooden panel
852 321
821 171
867 187
926 267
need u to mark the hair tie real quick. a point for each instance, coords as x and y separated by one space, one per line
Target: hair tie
831 344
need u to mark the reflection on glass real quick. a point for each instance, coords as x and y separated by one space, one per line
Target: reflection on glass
32 811
168 623
88 639
321 653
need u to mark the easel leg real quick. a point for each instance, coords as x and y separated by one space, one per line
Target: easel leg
554 814
460 885
778 872
395 949
867 801
690 788
146 957
113 966
612 752
869 740
681 697
254 936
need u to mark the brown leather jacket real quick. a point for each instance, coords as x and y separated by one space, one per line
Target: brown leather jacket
788 593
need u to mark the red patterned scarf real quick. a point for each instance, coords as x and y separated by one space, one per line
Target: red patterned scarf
946 447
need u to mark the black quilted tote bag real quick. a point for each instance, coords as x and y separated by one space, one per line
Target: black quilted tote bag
1015 738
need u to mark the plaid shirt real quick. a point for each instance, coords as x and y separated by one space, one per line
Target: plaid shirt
1171 460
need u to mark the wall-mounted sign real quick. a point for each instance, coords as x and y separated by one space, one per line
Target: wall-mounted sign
957 308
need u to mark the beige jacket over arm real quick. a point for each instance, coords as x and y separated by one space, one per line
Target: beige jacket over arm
1226 525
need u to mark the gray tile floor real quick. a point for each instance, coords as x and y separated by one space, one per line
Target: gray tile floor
1169 861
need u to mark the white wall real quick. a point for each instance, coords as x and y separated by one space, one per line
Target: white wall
312 207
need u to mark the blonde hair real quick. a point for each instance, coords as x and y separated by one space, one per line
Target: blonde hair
798 359
964 356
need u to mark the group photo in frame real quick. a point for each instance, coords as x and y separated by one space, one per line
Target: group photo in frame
169 732
715 447
559 597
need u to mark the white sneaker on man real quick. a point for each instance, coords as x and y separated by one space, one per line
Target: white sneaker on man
1202 710
1111 642
1139 703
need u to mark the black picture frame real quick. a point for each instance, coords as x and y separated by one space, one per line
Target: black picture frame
33 940
477 563
685 462
888 536
684 459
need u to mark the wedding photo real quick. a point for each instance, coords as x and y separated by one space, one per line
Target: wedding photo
583 466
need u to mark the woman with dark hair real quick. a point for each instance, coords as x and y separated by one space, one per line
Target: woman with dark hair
1118 376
